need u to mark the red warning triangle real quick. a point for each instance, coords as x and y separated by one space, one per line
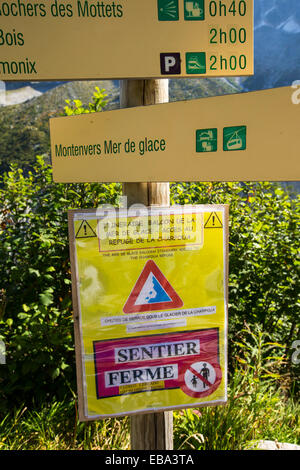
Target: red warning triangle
152 291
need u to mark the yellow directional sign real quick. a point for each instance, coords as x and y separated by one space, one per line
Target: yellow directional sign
111 39
157 338
243 137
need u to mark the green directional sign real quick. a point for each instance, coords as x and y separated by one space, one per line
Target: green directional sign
234 138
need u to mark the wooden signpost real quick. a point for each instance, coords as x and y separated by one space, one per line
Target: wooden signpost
154 430
187 332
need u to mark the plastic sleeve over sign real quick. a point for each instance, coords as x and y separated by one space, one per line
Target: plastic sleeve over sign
150 295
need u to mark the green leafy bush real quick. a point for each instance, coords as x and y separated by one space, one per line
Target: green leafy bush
35 290
36 310
264 247
75 107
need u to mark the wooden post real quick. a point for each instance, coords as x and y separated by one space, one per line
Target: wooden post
148 431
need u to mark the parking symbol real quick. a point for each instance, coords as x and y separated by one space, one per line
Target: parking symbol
170 63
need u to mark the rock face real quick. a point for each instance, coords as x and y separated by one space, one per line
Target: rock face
274 445
19 96
276 42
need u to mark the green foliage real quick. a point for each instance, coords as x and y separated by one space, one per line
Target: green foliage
35 301
256 408
20 136
25 126
36 309
55 426
264 248
35 291
76 107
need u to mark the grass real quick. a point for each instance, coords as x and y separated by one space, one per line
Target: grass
258 407
252 413
55 427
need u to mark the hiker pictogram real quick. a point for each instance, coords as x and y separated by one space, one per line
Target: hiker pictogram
168 10
204 375
201 379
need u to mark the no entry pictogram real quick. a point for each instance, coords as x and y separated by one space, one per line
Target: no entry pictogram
201 379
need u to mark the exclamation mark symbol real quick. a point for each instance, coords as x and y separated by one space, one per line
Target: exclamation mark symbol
84 228
213 220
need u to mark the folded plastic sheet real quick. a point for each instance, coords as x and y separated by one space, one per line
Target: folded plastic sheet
150 308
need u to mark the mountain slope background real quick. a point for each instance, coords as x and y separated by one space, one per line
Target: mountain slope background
27 106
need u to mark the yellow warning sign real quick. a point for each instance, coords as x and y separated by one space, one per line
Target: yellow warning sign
213 221
150 308
85 231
